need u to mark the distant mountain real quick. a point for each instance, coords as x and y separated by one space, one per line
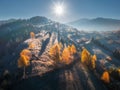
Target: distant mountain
99 24
39 20
7 21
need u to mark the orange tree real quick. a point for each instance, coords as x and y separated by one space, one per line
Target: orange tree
85 56
23 61
66 55
54 52
32 35
88 59
105 77
93 61
26 52
73 49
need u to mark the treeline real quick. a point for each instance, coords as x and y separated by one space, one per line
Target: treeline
61 54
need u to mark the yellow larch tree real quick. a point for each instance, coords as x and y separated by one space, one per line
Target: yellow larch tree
85 56
73 49
105 77
54 52
24 59
93 61
32 35
66 56
60 45
69 47
26 52
94 57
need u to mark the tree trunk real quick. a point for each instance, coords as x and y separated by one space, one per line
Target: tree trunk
24 72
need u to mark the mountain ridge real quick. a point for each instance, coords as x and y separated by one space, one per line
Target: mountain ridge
98 24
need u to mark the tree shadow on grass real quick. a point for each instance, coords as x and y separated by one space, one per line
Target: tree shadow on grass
49 81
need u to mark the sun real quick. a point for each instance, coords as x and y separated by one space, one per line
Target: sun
59 9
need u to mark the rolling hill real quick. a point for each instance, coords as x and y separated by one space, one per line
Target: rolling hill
47 73
97 24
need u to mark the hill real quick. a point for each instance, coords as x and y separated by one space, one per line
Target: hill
55 62
97 24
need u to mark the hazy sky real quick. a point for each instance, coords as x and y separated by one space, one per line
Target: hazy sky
74 9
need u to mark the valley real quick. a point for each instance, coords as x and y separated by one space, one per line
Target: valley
44 73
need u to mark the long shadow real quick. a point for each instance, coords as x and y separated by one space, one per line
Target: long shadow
98 85
48 81
44 44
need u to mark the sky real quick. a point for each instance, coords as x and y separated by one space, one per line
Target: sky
73 9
